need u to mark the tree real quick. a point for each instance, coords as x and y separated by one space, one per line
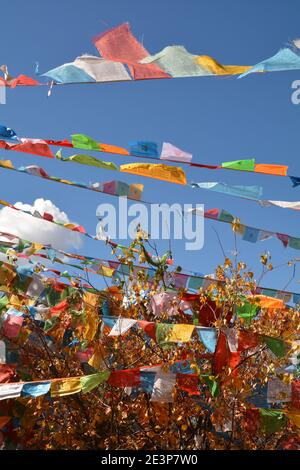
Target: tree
214 368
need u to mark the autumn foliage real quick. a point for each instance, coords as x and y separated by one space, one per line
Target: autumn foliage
223 402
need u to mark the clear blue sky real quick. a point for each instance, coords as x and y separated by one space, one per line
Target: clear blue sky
217 119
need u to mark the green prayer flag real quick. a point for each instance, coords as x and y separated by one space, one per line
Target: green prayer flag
244 165
212 384
247 310
3 302
225 216
294 243
92 161
277 346
84 142
272 421
89 382
85 160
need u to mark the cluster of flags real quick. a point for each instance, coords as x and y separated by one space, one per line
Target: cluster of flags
123 58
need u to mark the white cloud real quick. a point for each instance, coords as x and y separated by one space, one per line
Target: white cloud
33 229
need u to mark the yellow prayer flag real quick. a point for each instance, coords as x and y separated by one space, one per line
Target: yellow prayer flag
4 203
96 361
105 271
6 163
34 247
294 417
63 387
216 68
268 302
172 174
91 323
181 333
91 299
91 302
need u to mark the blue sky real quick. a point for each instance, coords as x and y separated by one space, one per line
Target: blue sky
215 118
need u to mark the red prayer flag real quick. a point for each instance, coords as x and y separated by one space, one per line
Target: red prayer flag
6 373
188 383
125 378
119 44
296 394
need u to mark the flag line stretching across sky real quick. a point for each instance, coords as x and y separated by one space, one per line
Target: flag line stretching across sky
123 59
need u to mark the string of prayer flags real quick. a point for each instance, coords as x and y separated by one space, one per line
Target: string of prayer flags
178 62
123 58
250 234
164 333
160 302
141 149
113 188
158 381
250 165
82 141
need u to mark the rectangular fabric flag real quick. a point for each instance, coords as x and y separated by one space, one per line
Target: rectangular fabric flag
119 44
84 142
144 149
244 165
163 387
251 234
172 174
278 391
280 170
125 378
170 152
89 382
63 387
102 70
35 389
11 390
208 336
2 352
181 333
121 326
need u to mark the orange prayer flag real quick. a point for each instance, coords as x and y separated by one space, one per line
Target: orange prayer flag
113 149
268 302
280 170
